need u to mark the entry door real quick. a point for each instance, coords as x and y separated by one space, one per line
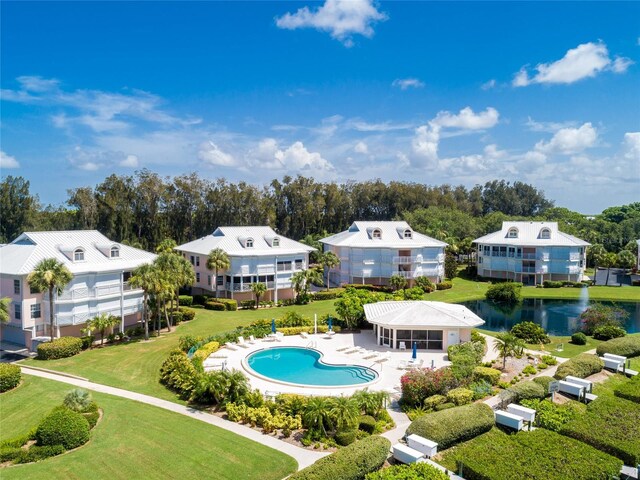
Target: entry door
453 338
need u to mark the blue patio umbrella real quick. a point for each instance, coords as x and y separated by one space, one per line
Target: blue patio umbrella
330 323
414 354
273 325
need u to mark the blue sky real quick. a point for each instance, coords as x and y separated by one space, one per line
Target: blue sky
435 92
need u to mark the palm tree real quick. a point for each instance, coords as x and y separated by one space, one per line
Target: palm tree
597 252
507 345
50 275
344 412
4 309
166 246
608 260
258 290
178 272
317 414
101 323
328 260
302 279
237 385
218 260
142 277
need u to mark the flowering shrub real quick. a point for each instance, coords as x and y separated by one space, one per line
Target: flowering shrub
422 383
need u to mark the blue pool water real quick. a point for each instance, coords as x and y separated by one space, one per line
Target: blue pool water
304 367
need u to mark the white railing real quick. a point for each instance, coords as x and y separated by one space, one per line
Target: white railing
573 269
97 292
544 257
574 257
404 274
403 259
106 290
266 270
542 269
529 256
428 272
368 261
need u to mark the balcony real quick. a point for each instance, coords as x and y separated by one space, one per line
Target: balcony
544 257
404 260
65 319
573 270
404 274
574 257
529 256
246 287
266 270
92 293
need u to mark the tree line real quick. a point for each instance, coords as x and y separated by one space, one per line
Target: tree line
145 208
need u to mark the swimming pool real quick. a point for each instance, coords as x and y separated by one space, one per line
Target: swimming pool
303 366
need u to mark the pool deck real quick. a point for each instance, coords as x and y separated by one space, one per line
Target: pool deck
388 371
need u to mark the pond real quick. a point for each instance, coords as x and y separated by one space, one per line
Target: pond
557 317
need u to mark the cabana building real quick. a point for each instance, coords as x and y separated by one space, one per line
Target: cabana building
432 325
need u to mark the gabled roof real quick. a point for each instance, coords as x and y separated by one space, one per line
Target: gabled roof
360 234
421 314
233 240
529 233
25 252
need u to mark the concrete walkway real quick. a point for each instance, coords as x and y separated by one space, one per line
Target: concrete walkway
302 456
402 423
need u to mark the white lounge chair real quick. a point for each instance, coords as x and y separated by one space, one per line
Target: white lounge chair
419 364
252 340
342 349
231 346
270 338
403 365
355 350
383 358
304 334
242 343
279 336
370 354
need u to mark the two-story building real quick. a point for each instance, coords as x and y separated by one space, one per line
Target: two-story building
531 252
372 252
100 269
256 254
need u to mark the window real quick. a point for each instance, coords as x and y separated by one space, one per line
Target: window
408 233
33 289
198 277
376 233
126 276
284 266
197 261
17 311
513 233
249 243
545 233
512 252
192 259
298 264
16 287
115 252
78 255
495 251
208 279
221 280
35 310
276 242
480 259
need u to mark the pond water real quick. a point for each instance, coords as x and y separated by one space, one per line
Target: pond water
557 317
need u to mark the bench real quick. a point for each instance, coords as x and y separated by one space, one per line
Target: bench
580 381
509 420
571 388
613 362
529 414
405 454
428 447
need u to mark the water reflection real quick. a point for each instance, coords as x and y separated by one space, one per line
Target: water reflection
557 317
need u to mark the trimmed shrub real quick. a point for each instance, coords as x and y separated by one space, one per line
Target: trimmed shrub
178 373
625 346
460 396
530 332
474 349
549 359
207 349
9 454
490 375
544 381
434 400
77 400
185 300
63 427
10 376
349 463
444 406
608 426
527 390
188 314
298 330
553 416
415 471
455 425
186 342
87 341
36 453
62 347
199 299
444 285
579 338
419 384
481 389
607 332
581 366
247 304
346 437
367 423
508 293
330 295
230 304
211 305
629 390
529 370
540 454
552 284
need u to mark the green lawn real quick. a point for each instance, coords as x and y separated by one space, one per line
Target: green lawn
462 291
620 294
568 349
135 366
134 440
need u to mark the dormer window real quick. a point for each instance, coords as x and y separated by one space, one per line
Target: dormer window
377 233
545 233
408 233
249 243
78 255
513 233
115 252
276 242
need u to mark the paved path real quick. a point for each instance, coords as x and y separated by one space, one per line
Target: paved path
302 456
402 423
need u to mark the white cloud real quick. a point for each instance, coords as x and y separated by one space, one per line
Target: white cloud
569 141
295 158
211 154
131 161
550 127
467 119
585 61
632 146
405 83
362 126
361 147
88 166
341 18
488 85
7 161
425 143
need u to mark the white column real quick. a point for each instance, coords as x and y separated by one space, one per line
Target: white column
393 338
275 280
122 302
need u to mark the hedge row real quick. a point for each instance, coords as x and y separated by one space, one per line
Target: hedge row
625 346
580 366
415 471
629 390
298 330
349 463
10 376
328 295
207 349
62 347
610 425
540 454
454 425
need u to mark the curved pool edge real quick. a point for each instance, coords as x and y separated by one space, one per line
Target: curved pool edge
251 371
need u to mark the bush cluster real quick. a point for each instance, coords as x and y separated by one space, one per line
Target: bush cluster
490 375
419 384
506 293
415 471
213 305
328 295
62 347
544 381
366 423
625 346
178 373
207 349
580 366
579 338
598 315
527 390
607 332
455 425
540 454
460 396
349 463
10 376
444 285
425 284
35 453
263 417
63 427
551 284
346 437
553 416
530 332
185 300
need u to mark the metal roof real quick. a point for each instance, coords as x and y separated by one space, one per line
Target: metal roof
421 314
360 235
529 233
233 239
25 252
